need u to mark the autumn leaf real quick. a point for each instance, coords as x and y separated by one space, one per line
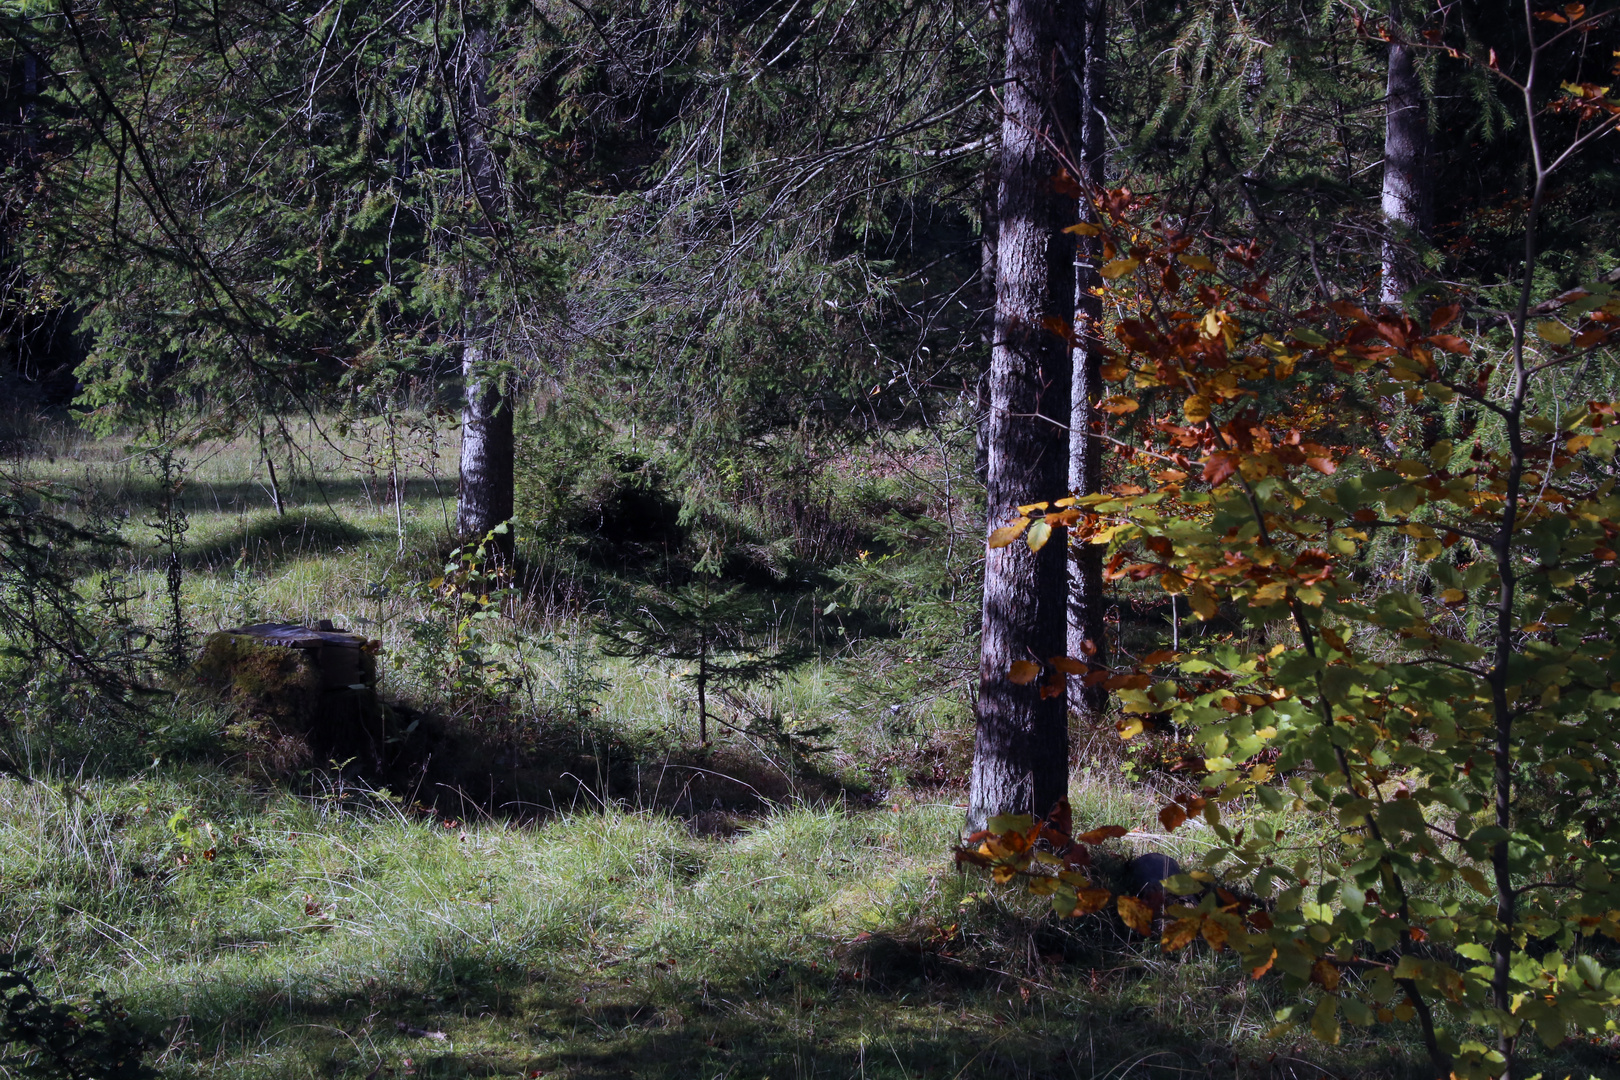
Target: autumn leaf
1087 901
1323 465
1129 727
1136 915
1084 228
1007 534
1327 974
1215 933
1069 665
1023 672
1118 404
1196 409
1172 816
1097 836
1443 317
1179 934
1265 965
1119 268
1451 343
1198 262
1202 600
1219 466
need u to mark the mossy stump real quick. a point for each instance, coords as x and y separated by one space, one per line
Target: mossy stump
309 694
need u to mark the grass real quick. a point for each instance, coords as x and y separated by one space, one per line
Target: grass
638 913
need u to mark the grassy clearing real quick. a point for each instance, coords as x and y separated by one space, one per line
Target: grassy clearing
638 913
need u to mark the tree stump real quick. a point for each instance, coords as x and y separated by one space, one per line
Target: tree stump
311 691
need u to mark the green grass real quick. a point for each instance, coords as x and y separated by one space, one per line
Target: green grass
815 942
655 925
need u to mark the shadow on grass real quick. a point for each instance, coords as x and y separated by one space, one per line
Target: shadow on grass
272 540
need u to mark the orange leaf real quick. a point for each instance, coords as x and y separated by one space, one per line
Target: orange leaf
1325 973
1323 465
1172 816
1097 836
1159 656
1215 933
1069 665
1118 405
1136 915
1087 901
1260 969
1444 316
1023 672
1180 933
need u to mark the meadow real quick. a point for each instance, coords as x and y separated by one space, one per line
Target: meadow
582 891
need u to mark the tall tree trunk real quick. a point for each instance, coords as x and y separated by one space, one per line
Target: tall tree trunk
485 499
1021 751
1407 205
1087 634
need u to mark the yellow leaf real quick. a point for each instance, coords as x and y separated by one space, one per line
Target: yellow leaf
1202 600
1032 507
1553 332
1006 535
1325 1021
1198 262
1270 593
1039 533
1023 672
1137 915
1085 228
1453 596
1129 727
1196 408
1119 268
1215 933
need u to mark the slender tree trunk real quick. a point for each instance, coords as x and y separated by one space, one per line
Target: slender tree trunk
1021 753
1407 203
1087 636
486 493
485 498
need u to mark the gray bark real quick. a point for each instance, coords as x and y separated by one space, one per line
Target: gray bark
1020 752
1406 199
1086 631
485 497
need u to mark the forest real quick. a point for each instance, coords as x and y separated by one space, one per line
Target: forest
809 538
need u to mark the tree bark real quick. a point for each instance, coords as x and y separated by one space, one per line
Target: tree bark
1406 201
1087 637
485 498
1020 753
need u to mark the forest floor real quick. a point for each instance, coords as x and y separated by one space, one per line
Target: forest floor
644 907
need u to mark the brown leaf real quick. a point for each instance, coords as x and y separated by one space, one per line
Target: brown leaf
1118 405
1136 915
1451 343
1172 816
1219 466
1023 672
1325 973
1097 836
1215 933
1444 316
1069 665
1323 465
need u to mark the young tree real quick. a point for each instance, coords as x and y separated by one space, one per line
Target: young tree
720 632
1086 635
1021 742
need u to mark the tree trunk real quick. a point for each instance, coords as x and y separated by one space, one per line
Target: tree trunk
1086 633
1406 167
485 498
1020 753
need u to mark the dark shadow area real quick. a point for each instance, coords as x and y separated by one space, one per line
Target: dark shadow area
299 534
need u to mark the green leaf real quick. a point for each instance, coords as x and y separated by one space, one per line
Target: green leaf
1325 1020
1006 823
1037 535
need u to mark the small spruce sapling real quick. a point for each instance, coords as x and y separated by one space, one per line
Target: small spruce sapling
722 633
